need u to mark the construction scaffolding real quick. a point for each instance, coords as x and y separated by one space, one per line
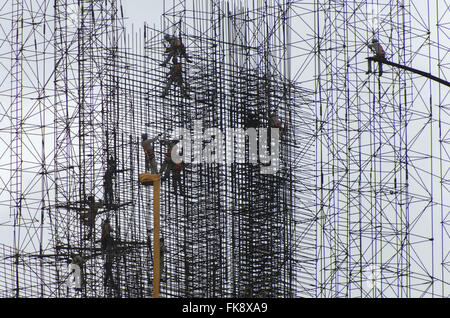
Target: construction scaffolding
355 204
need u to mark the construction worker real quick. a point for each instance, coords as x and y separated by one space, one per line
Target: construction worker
175 75
78 260
87 214
111 165
379 56
110 173
108 248
107 240
176 176
149 149
175 48
108 268
168 163
108 188
88 217
274 122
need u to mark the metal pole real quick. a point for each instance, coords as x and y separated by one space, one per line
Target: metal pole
156 215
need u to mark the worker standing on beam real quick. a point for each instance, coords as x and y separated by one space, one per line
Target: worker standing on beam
89 217
149 149
175 75
380 56
108 268
168 163
110 174
176 176
108 188
176 48
89 213
107 240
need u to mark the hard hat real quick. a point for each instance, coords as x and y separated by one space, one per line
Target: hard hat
144 136
374 41
167 37
175 60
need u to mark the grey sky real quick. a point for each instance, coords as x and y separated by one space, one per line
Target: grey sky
139 11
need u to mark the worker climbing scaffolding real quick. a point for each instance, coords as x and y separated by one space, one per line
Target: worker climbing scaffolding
89 217
274 122
110 174
107 241
107 246
176 176
108 189
108 268
168 164
149 150
176 48
176 75
89 213
379 56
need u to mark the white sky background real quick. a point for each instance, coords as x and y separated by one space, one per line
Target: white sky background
137 12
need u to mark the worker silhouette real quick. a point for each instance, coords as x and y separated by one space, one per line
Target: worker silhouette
176 76
175 49
149 149
379 56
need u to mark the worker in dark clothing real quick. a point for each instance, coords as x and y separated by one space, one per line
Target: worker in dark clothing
168 163
176 177
175 75
108 189
274 122
110 174
379 56
88 217
149 149
108 268
175 49
111 165
89 213
107 240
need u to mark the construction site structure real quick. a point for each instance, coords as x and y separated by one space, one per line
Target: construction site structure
356 203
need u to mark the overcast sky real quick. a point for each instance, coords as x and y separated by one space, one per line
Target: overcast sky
140 11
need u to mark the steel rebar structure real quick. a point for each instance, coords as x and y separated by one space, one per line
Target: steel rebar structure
357 207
